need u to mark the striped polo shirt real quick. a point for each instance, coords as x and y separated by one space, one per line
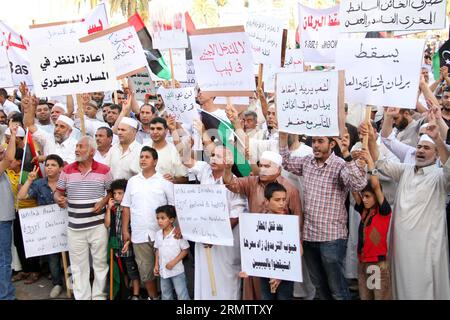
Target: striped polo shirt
83 192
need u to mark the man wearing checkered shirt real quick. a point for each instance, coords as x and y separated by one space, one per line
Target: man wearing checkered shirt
327 181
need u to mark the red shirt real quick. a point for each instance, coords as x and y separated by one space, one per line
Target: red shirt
373 231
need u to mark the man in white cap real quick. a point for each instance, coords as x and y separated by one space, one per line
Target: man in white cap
124 156
61 109
253 188
60 142
419 251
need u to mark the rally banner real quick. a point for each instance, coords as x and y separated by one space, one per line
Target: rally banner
381 72
6 80
319 32
391 15
223 61
97 20
71 69
56 33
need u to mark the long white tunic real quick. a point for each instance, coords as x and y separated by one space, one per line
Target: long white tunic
419 246
226 260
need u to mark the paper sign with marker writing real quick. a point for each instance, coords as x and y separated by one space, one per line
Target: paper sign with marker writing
128 55
56 33
387 15
266 36
190 78
381 72
223 61
270 246
71 69
167 24
143 85
180 102
5 70
307 103
44 230
294 60
319 33
203 213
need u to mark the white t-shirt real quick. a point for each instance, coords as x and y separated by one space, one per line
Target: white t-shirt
169 161
169 248
124 165
66 149
143 196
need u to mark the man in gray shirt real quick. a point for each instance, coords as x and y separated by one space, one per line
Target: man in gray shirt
6 218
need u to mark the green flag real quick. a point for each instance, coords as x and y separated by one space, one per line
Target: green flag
436 65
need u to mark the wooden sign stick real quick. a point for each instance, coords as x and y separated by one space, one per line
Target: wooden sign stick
260 75
172 73
81 114
66 277
368 111
212 277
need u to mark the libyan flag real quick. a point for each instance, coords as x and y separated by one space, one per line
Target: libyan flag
154 58
116 272
225 131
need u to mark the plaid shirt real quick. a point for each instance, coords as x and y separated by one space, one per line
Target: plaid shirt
325 191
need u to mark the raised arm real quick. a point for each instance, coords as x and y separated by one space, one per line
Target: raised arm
294 165
124 113
23 191
29 107
433 131
10 151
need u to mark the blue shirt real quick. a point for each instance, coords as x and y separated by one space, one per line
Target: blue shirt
41 191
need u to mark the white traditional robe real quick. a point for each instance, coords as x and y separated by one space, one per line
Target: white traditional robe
226 259
419 245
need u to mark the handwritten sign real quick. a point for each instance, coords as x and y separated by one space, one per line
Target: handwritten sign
386 15
167 24
381 72
179 63
223 61
5 70
190 75
44 230
97 20
56 33
294 60
180 102
128 55
307 103
143 85
266 36
203 213
270 246
319 32
71 69
17 49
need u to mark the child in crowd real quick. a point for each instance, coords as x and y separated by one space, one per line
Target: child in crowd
169 255
373 268
124 251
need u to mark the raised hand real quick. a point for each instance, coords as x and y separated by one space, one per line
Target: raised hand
391 111
33 174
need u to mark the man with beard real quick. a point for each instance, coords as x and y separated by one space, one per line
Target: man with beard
253 188
83 188
407 129
146 114
419 251
98 97
327 181
60 142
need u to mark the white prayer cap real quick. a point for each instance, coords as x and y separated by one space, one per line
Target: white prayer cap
129 121
426 137
20 132
66 120
272 156
60 105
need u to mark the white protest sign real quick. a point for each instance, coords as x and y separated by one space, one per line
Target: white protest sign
270 246
128 55
143 85
180 102
71 69
97 19
167 24
242 101
266 37
294 60
319 32
381 72
387 15
203 213
44 230
56 33
190 71
307 103
17 49
5 70
223 61
179 63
